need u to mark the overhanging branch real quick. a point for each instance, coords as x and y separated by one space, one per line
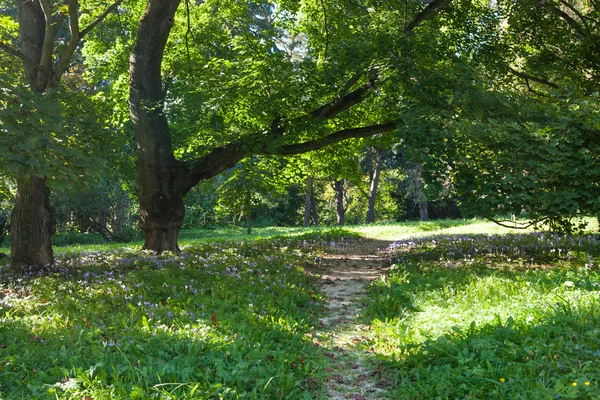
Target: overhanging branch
532 78
354 133
427 13
514 224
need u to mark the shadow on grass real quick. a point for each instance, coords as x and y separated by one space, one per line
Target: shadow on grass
216 323
557 358
498 327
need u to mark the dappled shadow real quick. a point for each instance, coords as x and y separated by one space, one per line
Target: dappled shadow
547 347
213 321
557 357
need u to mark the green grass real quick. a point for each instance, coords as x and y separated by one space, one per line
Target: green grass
225 320
490 316
468 311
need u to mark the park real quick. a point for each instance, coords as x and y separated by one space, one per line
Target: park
311 199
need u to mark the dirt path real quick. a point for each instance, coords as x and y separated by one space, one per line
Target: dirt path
344 277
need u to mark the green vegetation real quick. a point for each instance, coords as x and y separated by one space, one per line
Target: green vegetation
490 316
463 312
223 320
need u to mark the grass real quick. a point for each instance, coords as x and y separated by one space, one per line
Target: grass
467 311
226 320
489 316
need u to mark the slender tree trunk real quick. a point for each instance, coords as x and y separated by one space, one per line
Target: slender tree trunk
307 201
339 196
373 190
31 225
420 197
313 205
423 210
248 213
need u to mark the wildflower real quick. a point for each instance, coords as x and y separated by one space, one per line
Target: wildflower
587 384
574 384
502 380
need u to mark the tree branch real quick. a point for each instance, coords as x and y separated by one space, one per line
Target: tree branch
100 18
532 78
354 133
222 158
48 46
427 13
76 35
576 26
341 104
74 20
513 224
16 53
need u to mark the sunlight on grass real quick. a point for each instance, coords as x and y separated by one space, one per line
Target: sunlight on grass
490 316
218 320
468 309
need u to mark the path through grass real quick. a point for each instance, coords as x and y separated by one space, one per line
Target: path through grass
465 312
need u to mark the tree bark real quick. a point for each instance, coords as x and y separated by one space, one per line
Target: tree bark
308 201
31 225
339 196
161 178
423 210
31 221
313 205
373 189
419 196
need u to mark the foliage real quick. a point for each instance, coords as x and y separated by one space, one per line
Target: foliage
253 182
106 203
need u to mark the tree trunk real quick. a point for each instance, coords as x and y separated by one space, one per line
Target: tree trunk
248 208
161 178
373 190
308 201
423 211
420 197
31 225
313 205
339 196
31 220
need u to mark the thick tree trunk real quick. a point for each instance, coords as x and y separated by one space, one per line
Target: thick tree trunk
339 196
373 189
161 178
31 225
308 201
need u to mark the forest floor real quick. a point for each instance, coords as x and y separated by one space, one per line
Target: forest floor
345 275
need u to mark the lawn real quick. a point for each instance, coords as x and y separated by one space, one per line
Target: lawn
469 310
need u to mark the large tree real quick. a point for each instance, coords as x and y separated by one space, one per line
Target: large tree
164 179
48 37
